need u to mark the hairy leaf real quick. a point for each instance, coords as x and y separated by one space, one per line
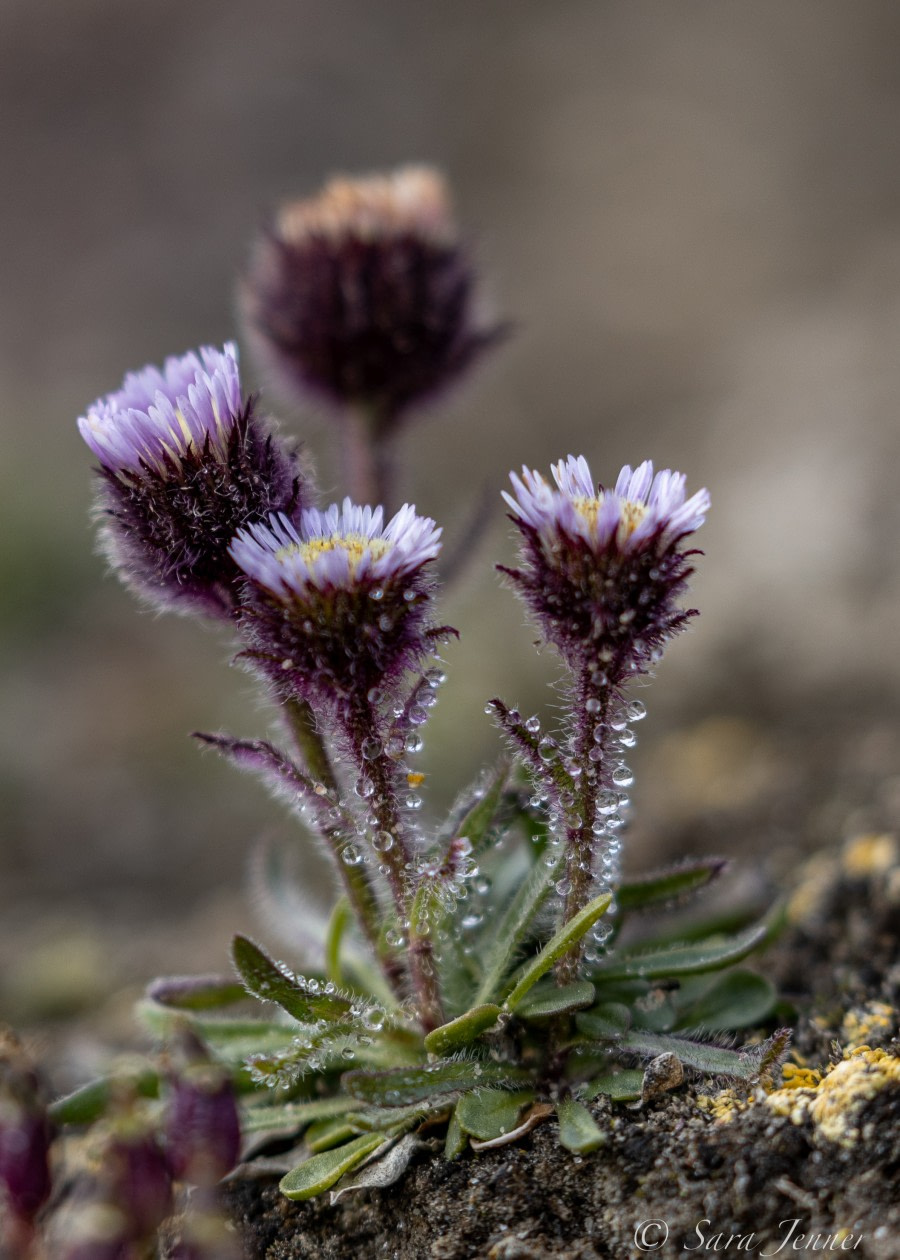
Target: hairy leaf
680 960
562 941
320 1173
463 1030
578 1130
738 999
294 1115
545 1000
486 1114
748 1064
504 944
668 885
89 1102
607 1022
401 1086
273 983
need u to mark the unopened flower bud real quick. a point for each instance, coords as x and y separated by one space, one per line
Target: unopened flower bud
364 296
203 1132
24 1133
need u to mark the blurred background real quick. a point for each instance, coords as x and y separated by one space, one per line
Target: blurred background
692 214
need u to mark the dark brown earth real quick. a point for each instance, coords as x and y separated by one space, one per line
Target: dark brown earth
712 1176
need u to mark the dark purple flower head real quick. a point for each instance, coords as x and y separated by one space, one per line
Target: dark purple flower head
340 605
364 296
24 1133
137 1180
203 1132
185 462
602 569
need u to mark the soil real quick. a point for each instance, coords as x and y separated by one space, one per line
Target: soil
702 1169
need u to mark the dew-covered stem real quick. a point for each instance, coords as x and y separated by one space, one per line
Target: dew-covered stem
380 771
358 885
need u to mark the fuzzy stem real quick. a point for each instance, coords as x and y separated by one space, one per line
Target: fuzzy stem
580 839
367 456
363 725
360 892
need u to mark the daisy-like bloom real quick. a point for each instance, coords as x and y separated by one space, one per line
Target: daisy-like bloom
363 295
338 606
185 462
602 569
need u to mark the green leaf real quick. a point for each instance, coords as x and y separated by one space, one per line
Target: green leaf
562 941
680 960
476 823
578 1130
512 929
273 983
739 999
748 1064
486 1114
463 1030
89 1102
292 1115
400 1086
668 885
549 999
456 1141
656 1013
325 1134
315 1175
623 1086
196 993
337 927
607 1022
394 1118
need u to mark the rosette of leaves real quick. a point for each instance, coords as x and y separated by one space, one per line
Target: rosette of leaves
338 1063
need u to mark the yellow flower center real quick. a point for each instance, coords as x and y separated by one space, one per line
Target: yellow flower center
632 513
355 545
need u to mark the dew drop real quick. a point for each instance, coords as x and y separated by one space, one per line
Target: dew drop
371 748
412 801
635 711
375 695
434 677
622 776
413 742
547 748
607 802
418 715
395 937
364 787
628 739
592 705
382 842
409 596
351 855
533 725
385 622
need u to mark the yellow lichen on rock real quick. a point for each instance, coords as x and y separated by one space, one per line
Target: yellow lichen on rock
873 1022
833 1103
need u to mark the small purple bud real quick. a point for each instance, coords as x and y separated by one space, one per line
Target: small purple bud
364 296
25 1133
203 1132
137 1174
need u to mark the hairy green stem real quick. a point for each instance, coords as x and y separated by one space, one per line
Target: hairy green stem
381 772
360 892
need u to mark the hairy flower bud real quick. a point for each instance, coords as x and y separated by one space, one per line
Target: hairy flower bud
602 569
185 462
364 296
338 606
24 1133
203 1132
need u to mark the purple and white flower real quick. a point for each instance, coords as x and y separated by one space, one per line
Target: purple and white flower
338 606
339 548
185 461
642 509
602 569
160 416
